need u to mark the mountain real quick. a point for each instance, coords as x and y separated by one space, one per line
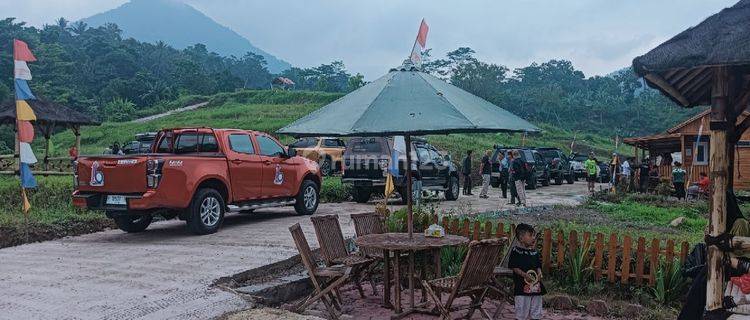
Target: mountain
180 25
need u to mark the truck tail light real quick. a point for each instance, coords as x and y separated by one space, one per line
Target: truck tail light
153 172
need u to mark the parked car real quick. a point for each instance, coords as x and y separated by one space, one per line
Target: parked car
196 174
604 174
576 163
366 163
559 165
141 144
535 165
327 152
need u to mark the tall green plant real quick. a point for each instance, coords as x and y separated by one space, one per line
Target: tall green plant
580 267
669 281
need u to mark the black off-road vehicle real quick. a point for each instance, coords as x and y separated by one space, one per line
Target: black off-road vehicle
559 165
366 163
535 166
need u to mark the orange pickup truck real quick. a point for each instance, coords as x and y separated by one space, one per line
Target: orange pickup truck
197 175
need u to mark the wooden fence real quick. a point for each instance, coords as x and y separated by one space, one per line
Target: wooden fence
48 166
621 259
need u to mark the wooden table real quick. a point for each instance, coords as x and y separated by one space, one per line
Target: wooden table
398 243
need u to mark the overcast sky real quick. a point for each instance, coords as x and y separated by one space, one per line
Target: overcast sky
599 36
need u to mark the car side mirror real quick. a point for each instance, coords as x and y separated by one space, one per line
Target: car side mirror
291 152
447 157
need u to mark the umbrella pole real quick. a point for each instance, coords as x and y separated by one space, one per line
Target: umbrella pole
409 213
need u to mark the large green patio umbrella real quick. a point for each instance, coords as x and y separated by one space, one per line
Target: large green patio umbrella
407 102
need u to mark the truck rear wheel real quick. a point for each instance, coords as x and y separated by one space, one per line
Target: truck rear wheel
206 212
133 223
361 195
307 198
570 178
326 166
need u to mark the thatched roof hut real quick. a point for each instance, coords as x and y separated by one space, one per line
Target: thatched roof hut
682 67
48 112
49 116
709 64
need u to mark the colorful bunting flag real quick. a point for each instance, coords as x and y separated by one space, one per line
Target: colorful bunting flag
25 131
21 70
24 111
27 179
389 186
24 114
21 51
23 92
26 154
26 205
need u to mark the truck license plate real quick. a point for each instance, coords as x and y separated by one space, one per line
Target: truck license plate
116 200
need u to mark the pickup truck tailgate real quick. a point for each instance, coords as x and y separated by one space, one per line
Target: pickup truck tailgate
116 174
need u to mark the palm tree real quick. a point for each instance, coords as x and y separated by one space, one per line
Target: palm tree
62 23
79 27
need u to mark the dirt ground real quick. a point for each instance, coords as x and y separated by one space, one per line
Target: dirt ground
167 272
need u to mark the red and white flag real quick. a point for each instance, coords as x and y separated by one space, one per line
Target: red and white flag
419 43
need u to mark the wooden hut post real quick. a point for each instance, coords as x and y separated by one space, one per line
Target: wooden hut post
17 151
718 166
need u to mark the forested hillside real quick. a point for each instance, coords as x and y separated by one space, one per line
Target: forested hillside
555 93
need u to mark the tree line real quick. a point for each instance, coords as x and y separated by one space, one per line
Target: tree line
87 68
554 92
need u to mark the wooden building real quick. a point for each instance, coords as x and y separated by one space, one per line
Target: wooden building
691 139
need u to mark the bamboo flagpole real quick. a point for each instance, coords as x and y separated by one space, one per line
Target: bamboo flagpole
24 129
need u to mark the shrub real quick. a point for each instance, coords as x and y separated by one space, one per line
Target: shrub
333 190
580 267
118 110
397 221
669 282
451 259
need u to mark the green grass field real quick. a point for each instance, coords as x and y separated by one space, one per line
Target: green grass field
268 111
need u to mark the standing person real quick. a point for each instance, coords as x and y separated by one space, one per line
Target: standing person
643 172
519 176
466 171
485 169
116 149
526 263
503 174
73 153
591 168
614 168
416 185
625 174
510 181
678 180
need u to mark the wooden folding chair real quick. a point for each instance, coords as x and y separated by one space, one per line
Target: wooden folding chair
472 281
368 223
333 247
325 280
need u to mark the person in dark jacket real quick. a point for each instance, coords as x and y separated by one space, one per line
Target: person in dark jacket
503 165
643 173
511 183
466 172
